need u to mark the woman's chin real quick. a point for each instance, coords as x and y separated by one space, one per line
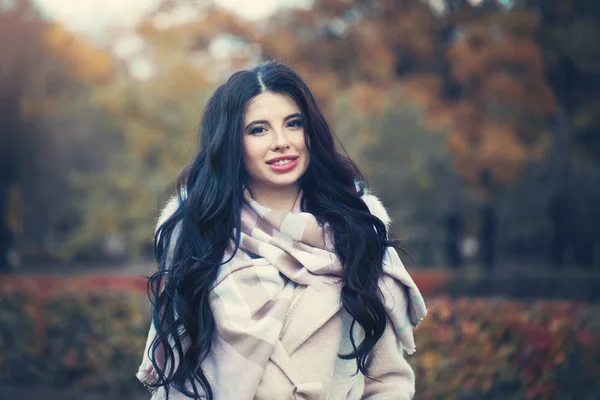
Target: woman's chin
283 181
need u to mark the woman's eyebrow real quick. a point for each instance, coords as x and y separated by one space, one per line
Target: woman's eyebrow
265 122
294 115
256 122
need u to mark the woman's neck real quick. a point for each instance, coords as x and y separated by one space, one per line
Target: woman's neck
276 198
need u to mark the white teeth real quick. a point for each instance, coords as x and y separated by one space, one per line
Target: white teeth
281 162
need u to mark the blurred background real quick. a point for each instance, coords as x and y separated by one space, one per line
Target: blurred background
477 122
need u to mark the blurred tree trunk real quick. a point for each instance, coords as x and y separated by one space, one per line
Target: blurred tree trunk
5 233
9 121
488 218
454 227
569 34
559 221
559 205
488 233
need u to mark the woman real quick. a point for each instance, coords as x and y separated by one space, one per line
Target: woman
276 278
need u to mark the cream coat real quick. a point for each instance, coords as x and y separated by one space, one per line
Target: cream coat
305 363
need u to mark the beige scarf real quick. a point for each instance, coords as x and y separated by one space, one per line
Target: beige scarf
252 294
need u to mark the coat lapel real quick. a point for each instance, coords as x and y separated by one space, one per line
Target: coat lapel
317 306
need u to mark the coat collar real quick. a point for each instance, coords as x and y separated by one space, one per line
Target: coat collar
373 203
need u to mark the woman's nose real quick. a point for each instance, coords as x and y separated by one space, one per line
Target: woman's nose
280 139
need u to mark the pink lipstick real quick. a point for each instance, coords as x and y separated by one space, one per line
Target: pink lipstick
283 164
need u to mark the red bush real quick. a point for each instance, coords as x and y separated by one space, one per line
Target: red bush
47 286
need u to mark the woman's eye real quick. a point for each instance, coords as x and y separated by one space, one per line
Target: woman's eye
295 123
256 130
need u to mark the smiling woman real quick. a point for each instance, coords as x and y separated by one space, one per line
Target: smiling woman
275 154
276 278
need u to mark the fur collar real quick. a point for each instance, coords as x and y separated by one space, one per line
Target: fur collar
373 203
376 207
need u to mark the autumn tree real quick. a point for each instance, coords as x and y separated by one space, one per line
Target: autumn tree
408 165
481 71
46 123
16 22
478 71
569 31
155 118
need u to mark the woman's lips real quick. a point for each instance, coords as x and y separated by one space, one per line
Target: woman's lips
285 167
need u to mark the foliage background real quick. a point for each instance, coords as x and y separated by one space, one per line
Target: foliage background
88 334
476 122
481 112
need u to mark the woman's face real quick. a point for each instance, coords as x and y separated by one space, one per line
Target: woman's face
275 153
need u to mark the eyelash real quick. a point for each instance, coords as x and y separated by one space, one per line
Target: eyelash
259 129
256 130
296 121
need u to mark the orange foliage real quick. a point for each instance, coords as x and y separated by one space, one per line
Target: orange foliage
48 286
479 74
282 43
367 99
438 115
505 87
500 153
498 63
63 60
493 59
87 62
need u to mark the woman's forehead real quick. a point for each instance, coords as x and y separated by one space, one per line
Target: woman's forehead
270 105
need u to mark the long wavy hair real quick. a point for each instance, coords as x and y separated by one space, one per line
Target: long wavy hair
190 245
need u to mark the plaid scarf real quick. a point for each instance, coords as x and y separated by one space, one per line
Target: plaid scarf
252 294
